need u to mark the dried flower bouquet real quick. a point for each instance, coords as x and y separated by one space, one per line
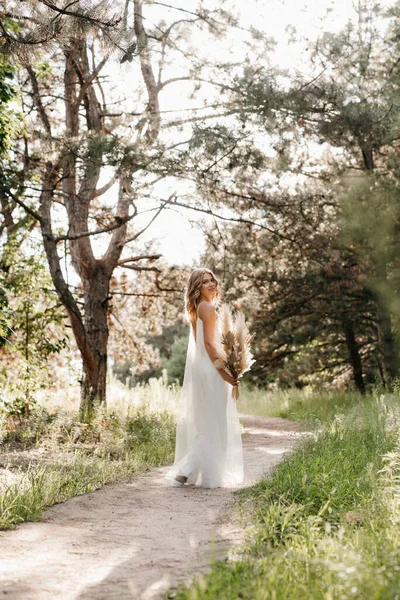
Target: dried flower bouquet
236 357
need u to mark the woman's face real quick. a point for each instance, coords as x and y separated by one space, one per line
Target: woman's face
208 286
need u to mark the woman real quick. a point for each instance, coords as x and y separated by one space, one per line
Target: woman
208 448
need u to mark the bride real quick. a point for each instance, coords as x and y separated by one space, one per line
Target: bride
208 449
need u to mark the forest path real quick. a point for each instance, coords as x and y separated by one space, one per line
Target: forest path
136 539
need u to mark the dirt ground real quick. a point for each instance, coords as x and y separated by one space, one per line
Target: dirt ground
135 539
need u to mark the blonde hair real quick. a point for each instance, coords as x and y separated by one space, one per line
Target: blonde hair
192 294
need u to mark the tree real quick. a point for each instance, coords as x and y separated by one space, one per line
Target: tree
76 138
350 102
9 128
52 22
312 318
342 302
13 226
38 332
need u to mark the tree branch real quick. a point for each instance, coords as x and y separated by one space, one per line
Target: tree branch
210 212
118 240
153 110
137 268
38 100
139 233
210 22
89 80
30 211
113 22
136 294
142 257
119 223
105 187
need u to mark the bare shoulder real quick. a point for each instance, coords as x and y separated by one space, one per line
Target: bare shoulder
207 311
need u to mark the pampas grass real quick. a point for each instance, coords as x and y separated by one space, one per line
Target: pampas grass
236 356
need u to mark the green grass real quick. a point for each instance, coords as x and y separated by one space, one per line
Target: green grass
326 525
42 486
306 406
55 457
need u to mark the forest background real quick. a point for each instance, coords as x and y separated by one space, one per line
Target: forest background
140 139
282 152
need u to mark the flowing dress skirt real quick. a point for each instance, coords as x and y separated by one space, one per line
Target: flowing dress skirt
208 440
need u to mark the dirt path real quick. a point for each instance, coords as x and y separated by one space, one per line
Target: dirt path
133 540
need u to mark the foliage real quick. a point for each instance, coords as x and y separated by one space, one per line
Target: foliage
175 364
145 322
7 92
300 293
314 407
36 321
76 458
9 118
304 164
81 131
5 319
368 224
37 26
168 343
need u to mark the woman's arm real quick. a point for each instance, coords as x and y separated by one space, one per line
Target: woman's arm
209 317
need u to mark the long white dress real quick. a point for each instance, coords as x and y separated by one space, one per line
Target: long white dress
208 447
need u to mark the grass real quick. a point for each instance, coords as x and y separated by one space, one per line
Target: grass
41 486
155 396
326 525
307 406
49 457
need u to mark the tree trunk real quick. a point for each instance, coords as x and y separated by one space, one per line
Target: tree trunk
388 344
368 158
380 370
387 340
386 337
94 362
354 355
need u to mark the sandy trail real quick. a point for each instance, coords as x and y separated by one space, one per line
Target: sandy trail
135 539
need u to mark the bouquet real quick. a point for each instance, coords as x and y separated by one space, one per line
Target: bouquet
236 356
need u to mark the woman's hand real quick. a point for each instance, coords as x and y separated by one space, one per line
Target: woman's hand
234 382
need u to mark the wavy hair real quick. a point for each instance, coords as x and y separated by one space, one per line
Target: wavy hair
192 294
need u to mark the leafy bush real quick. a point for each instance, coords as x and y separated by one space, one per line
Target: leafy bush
175 364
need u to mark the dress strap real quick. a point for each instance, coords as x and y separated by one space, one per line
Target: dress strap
199 307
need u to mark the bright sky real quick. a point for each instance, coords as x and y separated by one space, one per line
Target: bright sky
178 239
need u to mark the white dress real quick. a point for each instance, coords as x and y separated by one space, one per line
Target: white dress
208 447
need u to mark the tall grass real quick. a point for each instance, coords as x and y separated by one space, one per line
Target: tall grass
326 525
55 456
158 395
42 486
302 405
